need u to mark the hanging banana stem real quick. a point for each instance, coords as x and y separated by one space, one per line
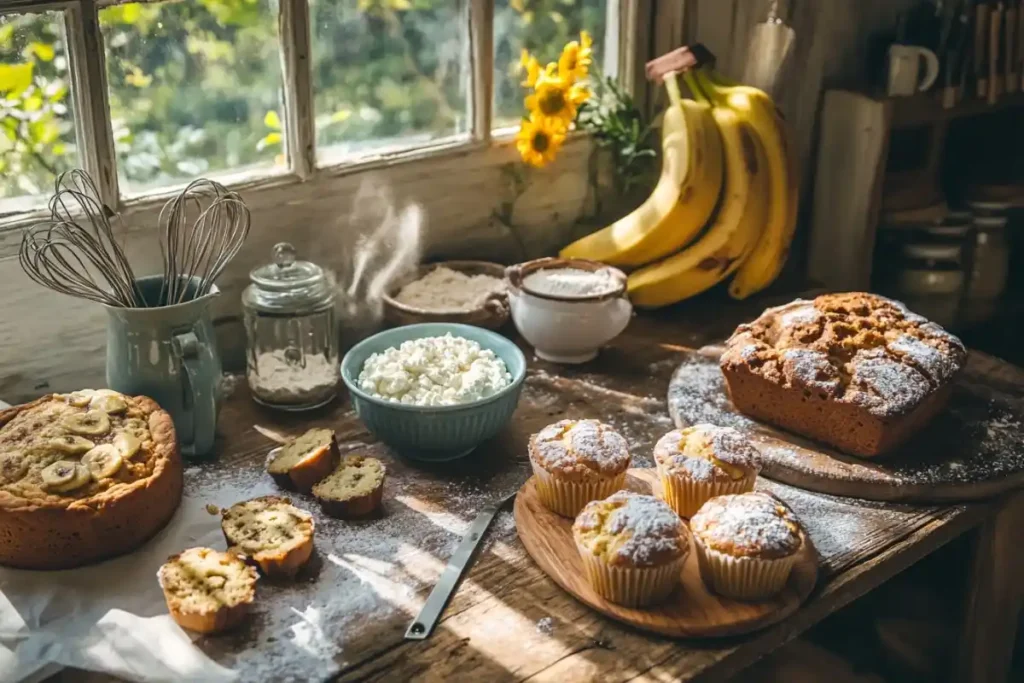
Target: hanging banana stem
695 89
672 86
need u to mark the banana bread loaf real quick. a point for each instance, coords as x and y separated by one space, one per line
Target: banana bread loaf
857 371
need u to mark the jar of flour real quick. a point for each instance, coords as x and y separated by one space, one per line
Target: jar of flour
292 352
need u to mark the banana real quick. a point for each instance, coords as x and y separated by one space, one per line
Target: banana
108 402
682 201
103 461
64 475
732 235
769 255
127 444
69 444
90 423
80 399
699 195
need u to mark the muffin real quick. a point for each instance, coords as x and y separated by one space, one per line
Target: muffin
577 461
633 547
304 461
746 544
700 462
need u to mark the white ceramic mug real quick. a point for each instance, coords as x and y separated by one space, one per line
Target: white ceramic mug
906 76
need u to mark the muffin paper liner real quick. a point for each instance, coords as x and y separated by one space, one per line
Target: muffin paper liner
566 497
685 495
743 578
631 586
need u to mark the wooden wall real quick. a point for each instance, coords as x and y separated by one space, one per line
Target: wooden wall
831 48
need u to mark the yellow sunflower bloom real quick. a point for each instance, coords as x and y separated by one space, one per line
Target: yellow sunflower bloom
532 68
556 98
538 141
574 63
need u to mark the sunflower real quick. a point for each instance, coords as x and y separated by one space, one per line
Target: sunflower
574 64
555 98
538 141
529 64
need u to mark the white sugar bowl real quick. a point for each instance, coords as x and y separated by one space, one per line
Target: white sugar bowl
568 308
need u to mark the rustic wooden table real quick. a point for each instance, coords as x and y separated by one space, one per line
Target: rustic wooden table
345 617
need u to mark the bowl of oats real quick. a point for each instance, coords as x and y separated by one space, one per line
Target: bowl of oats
466 292
434 391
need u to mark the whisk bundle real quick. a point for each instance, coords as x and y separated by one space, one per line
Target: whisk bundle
78 258
75 251
202 229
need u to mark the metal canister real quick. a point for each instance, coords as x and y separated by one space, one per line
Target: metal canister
290 323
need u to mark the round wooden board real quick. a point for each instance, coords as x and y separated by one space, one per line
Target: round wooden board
691 611
973 450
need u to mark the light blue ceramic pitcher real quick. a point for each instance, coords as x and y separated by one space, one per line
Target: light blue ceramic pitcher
169 354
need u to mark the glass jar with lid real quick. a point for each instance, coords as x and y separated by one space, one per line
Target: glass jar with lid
292 352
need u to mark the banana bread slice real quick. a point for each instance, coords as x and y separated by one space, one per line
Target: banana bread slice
207 590
857 371
277 535
355 489
304 461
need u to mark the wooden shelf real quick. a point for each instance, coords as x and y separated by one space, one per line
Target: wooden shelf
927 108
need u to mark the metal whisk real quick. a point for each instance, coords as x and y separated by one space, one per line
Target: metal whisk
201 230
75 251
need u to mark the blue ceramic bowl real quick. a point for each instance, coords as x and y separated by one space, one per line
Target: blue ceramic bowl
430 432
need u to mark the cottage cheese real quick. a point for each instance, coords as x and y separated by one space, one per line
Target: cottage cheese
434 371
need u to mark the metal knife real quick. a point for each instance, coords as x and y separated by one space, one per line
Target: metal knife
460 562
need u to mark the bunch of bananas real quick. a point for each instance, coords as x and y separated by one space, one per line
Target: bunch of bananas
725 203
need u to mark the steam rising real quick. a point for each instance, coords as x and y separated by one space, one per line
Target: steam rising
379 241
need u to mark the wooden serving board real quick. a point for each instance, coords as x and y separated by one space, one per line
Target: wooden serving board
691 611
973 450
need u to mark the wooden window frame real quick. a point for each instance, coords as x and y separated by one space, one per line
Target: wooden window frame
94 137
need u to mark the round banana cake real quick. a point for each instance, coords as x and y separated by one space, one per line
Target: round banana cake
83 477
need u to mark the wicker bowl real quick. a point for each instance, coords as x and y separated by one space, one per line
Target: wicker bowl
492 315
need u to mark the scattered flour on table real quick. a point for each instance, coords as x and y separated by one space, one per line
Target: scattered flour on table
571 282
365 575
546 626
444 289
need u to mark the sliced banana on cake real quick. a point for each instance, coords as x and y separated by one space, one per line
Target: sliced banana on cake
70 444
103 461
80 399
89 423
108 401
136 426
127 444
64 475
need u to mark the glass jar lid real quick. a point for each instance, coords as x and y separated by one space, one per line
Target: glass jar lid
288 285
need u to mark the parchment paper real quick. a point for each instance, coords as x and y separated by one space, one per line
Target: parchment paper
109 617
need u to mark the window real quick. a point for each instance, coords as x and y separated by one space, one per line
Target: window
148 95
37 136
388 73
195 88
542 27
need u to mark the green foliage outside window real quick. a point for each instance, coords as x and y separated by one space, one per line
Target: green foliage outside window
195 87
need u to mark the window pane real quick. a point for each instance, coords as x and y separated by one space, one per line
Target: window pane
195 89
37 136
388 73
543 27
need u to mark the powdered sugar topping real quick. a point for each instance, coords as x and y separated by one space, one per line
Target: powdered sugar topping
747 525
705 452
590 444
888 386
646 528
937 366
